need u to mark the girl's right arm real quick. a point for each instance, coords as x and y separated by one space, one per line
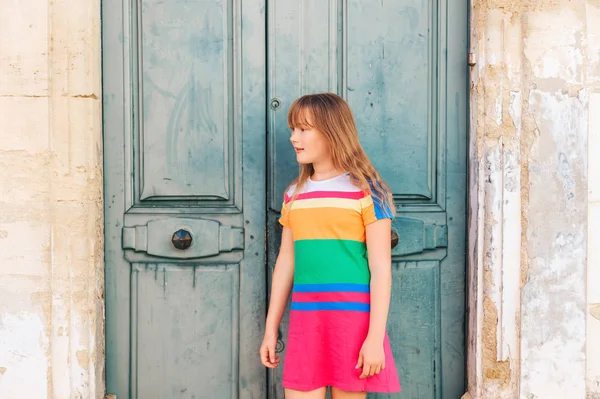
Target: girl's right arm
281 285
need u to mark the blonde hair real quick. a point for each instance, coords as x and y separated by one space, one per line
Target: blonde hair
331 115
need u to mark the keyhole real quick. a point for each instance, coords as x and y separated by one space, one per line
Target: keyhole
275 103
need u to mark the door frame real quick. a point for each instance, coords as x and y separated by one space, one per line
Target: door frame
490 310
476 197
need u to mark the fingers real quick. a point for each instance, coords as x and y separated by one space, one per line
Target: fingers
268 357
270 364
366 371
359 364
271 354
369 370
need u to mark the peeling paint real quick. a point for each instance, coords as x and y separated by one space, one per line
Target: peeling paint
529 95
595 310
499 371
83 359
532 89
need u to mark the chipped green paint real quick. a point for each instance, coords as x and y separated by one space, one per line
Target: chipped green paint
402 67
188 146
185 145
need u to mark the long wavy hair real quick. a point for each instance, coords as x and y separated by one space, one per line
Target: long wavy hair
330 114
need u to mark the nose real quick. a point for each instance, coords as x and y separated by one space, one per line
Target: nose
294 137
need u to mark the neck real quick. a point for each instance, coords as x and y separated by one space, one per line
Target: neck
325 170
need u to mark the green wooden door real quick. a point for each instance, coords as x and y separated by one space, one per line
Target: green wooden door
185 139
196 145
402 67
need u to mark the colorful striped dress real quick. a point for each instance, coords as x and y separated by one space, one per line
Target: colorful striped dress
329 317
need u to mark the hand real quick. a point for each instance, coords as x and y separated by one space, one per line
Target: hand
371 358
268 357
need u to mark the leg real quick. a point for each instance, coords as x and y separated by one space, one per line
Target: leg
339 394
316 394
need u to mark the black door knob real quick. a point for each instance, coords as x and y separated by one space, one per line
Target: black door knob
182 239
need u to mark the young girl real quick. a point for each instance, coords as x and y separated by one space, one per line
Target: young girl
336 212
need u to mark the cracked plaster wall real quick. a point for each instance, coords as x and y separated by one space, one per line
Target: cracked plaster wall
51 265
593 265
534 105
535 100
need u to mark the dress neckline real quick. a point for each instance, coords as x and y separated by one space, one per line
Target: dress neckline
327 180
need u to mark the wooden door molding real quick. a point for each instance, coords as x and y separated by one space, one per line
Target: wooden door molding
402 68
184 138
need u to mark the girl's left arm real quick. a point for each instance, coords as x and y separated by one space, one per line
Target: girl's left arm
380 264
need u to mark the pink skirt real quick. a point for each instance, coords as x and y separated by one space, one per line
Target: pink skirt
322 351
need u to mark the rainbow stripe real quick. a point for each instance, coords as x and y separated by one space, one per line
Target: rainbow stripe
330 254
353 297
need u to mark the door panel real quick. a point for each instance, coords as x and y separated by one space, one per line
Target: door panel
390 83
413 327
186 143
185 149
185 320
401 65
298 64
189 142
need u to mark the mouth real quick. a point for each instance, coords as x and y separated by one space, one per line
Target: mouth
298 150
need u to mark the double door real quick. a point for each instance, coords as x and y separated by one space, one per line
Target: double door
197 157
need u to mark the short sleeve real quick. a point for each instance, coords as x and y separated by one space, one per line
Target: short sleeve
373 209
284 219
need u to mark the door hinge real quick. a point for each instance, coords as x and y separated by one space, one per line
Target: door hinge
472 60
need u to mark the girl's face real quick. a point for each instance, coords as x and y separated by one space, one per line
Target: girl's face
310 145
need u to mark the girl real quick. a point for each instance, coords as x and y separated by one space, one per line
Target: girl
336 212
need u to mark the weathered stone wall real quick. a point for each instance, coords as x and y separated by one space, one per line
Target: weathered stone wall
534 219
593 265
51 265
533 97
593 272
